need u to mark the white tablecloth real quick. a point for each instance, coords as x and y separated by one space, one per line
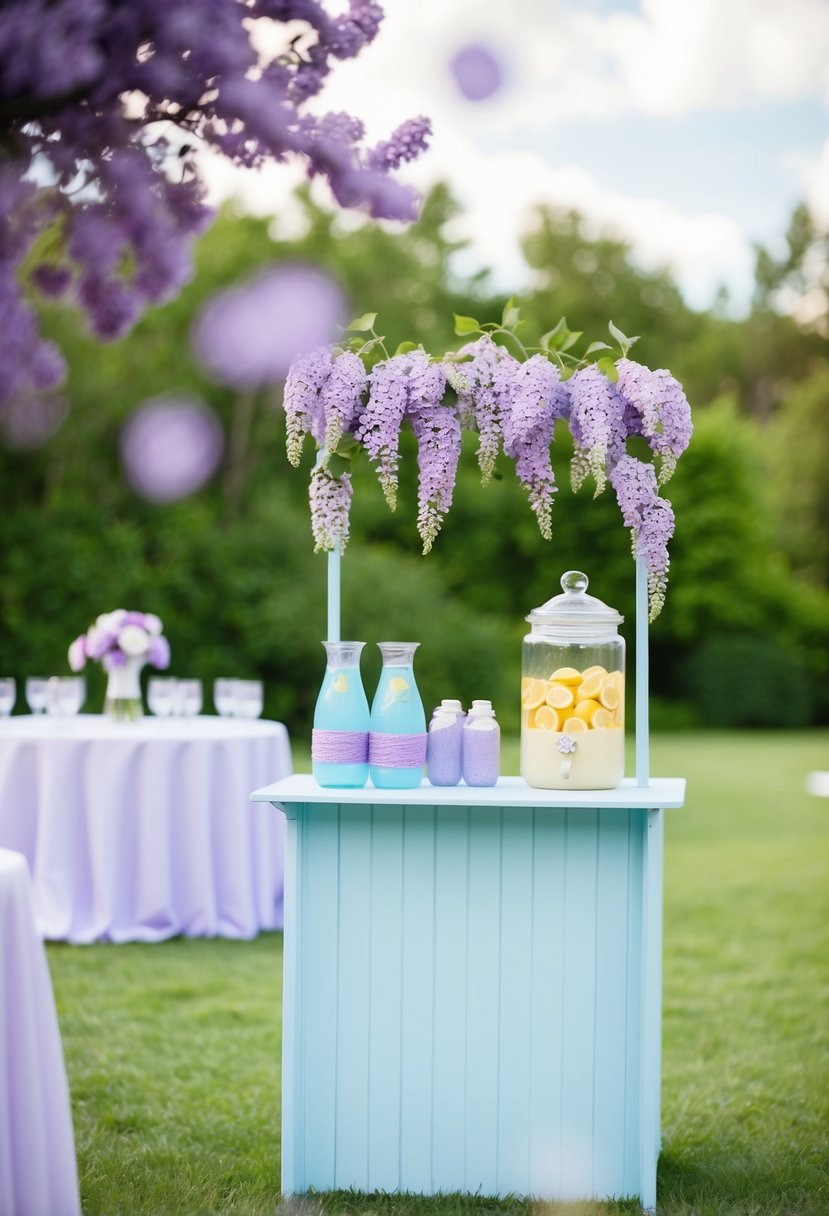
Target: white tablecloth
38 1176
138 831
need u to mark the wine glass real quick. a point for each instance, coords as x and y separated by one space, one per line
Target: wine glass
53 708
249 698
36 688
224 697
191 697
161 692
71 695
8 695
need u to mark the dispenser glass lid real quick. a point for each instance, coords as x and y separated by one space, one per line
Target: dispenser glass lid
574 606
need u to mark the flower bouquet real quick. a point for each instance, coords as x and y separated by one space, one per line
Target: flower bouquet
122 642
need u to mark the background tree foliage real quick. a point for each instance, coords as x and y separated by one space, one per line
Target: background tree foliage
231 569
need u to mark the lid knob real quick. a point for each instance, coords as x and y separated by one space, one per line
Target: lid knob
574 582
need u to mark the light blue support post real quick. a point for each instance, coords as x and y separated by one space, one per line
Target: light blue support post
334 596
643 763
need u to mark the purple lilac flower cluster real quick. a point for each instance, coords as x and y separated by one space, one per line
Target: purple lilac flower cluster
538 398
651 520
597 424
483 385
658 410
103 107
330 499
121 635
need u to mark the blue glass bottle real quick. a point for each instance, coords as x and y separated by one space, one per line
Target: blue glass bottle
342 707
398 710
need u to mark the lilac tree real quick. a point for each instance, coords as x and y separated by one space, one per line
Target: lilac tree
104 108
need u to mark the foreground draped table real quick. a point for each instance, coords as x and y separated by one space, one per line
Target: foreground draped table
38 1176
139 831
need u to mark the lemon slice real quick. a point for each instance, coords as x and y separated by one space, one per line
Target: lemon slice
341 683
566 675
560 696
602 719
597 670
574 726
616 679
398 684
590 686
609 696
586 709
534 694
546 718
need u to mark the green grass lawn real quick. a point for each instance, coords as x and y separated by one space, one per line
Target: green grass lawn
172 1050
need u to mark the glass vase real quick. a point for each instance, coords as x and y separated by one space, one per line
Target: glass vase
397 744
339 744
123 701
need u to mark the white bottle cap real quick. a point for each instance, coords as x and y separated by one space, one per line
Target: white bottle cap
450 706
482 709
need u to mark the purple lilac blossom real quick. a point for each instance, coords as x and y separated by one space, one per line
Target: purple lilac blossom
651 520
437 429
597 424
330 499
342 397
406 143
170 447
158 653
112 101
658 410
379 424
484 386
304 411
538 399
477 72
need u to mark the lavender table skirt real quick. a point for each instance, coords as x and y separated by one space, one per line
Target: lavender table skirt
140 831
38 1176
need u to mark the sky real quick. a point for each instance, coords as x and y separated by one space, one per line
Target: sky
691 128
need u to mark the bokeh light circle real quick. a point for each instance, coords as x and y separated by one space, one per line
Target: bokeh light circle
477 72
170 446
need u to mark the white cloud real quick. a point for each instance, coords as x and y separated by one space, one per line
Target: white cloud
814 174
563 61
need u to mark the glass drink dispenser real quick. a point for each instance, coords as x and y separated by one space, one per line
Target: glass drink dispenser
573 692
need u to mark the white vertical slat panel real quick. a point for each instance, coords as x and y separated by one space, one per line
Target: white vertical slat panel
418 935
386 920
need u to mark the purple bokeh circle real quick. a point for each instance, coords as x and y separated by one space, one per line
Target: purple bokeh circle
249 335
170 447
477 72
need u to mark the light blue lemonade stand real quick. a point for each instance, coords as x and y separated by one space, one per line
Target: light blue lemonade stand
472 984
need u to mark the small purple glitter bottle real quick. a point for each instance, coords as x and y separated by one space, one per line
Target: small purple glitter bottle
443 750
481 750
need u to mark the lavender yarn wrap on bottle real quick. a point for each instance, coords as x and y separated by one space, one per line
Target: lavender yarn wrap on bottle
339 746
397 751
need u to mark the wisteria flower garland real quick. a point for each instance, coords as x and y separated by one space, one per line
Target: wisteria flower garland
510 403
